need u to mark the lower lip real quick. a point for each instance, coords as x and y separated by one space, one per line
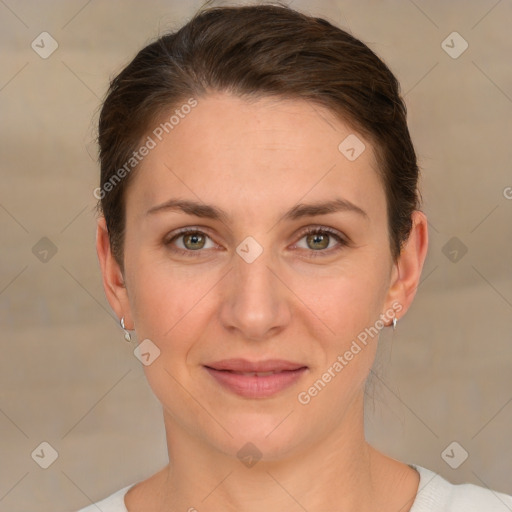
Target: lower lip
253 386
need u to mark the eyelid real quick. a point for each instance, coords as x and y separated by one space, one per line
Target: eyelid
343 241
184 231
168 240
323 229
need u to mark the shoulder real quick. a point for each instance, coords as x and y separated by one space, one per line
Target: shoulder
114 503
436 494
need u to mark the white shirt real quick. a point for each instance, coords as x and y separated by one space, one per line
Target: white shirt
435 494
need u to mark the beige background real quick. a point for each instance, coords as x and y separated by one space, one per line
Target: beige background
68 377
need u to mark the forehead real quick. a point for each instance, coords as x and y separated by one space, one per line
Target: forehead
261 153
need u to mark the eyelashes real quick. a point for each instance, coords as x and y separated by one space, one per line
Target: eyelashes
316 233
324 231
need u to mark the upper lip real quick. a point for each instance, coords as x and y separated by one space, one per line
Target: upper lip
243 365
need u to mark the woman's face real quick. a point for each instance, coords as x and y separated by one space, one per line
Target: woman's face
249 283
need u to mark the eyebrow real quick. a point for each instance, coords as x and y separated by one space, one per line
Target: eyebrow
301 210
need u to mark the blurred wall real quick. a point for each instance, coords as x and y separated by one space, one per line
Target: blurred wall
67 376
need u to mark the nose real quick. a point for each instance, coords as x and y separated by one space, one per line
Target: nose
255 302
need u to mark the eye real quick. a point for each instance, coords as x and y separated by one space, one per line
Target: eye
189 241
318 241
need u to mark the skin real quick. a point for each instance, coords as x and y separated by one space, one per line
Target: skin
256 160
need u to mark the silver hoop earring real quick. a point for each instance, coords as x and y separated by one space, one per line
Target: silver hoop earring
394 322
127 335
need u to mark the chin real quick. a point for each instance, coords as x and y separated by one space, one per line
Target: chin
262 435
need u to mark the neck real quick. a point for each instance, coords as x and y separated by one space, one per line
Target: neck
336 473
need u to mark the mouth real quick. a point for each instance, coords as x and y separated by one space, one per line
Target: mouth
254 374
255 379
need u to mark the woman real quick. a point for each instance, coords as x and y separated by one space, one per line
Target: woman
259 227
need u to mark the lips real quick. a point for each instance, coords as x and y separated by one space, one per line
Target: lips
250 367
253 379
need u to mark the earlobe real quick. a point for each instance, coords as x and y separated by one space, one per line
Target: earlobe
410 264
113 281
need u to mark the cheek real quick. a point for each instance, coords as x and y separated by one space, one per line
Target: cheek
160 297
345 299
162 305
346 310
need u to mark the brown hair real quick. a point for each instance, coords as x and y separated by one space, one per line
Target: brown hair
253 52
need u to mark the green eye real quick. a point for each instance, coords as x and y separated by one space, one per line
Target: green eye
192 241
195 239
318 241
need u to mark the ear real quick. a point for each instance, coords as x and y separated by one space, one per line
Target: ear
113 279
406 272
